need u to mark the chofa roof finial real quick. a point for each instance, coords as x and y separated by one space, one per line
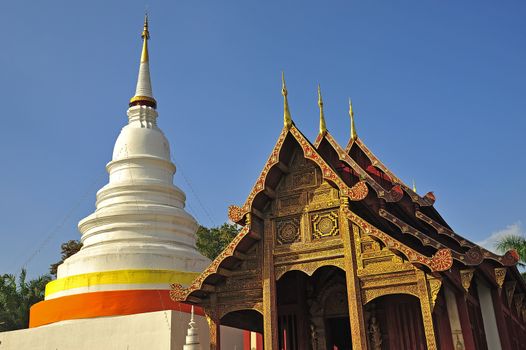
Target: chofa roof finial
287 119
323 126
354 135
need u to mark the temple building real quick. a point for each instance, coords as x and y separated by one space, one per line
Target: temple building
336 252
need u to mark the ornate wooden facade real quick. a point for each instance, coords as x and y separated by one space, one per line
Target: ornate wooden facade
337 252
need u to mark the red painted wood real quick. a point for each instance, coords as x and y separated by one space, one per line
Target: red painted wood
463 314
401 322
246 340
442 325
259 341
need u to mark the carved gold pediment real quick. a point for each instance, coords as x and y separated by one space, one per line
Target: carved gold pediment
466 276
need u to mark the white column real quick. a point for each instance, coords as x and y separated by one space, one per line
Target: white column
488 315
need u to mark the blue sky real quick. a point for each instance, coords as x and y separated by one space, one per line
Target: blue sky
437 86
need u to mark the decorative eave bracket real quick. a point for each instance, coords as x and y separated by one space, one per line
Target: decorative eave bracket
441 261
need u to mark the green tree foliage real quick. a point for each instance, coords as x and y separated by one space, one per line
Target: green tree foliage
16 299
68 249
211 241
516 242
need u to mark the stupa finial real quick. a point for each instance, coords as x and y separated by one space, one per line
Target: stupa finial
287 119
354 135
192 339
323 126
145 36
143 93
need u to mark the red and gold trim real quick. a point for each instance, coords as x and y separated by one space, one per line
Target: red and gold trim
143 101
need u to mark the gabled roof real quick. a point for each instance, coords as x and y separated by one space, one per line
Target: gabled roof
355 192
416 229
236 250
463 251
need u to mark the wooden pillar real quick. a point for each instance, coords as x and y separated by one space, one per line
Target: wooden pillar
354 293
214 330
270 310
427 309
465 323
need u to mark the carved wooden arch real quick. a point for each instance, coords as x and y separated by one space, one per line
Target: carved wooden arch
369 295
245 306
308 268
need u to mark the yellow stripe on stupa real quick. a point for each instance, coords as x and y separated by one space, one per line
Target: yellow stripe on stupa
120 277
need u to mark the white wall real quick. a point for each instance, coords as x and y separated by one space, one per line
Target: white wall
152 331
488 315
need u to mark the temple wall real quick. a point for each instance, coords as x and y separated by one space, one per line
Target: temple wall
164 330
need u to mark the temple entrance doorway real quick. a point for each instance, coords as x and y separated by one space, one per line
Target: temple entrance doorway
338 333
312 310
394 322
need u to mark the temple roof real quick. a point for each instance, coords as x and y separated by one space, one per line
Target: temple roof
378 201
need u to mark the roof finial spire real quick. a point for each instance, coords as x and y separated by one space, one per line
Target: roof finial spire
354 135
414 186
323 126
143 92
287 119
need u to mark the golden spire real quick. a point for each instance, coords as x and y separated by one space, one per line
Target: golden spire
354 135
145 36
143 92
287 119
414 186
323 127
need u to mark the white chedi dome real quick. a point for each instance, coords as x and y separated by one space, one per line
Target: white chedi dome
139 221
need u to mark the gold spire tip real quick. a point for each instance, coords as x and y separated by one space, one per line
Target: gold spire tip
414 186
283 85
354 135
145 35
145 32
140 97
323 126
287 119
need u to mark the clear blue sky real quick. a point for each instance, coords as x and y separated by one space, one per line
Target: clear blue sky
438 89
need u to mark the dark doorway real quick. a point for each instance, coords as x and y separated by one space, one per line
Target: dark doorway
396 321
313 311
339 333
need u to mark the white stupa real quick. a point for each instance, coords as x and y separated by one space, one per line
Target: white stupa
140 236
192 339
114 293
